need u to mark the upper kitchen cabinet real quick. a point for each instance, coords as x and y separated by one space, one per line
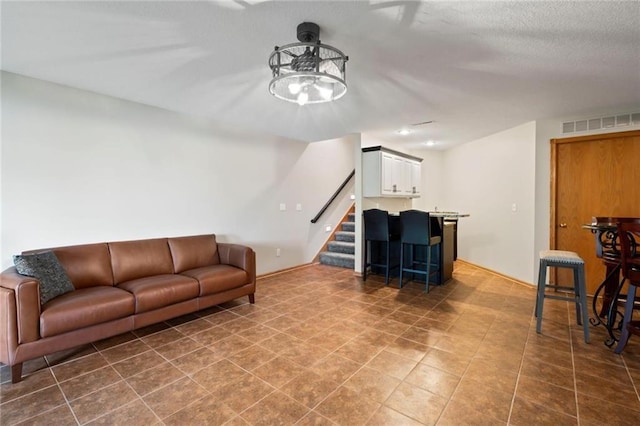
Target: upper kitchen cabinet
389 173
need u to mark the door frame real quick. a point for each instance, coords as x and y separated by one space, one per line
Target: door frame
554 170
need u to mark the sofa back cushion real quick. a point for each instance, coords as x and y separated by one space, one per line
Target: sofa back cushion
140 258
86 265
193 252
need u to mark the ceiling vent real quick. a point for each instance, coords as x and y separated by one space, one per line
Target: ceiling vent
622 120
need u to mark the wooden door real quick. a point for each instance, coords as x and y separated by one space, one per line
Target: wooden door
596 175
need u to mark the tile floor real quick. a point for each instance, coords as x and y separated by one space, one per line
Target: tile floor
321 347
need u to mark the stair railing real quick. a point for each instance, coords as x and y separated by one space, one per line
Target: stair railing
334 196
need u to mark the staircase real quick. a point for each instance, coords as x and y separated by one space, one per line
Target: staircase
341 251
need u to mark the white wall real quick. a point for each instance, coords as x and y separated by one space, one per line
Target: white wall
485 178
433 184
79 167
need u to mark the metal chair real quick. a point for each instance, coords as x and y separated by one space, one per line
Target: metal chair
416 232
377 230
629 233
563 259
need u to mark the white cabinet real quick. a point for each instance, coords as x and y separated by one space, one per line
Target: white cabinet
389 173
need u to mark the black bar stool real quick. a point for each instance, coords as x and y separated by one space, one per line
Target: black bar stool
376 230
415 231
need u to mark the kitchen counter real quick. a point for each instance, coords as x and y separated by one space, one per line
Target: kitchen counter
449 215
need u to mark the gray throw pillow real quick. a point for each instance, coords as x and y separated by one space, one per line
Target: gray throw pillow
45 266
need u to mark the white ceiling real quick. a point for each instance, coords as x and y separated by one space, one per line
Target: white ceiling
474 68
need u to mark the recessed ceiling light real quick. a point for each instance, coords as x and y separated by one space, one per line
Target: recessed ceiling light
429 143
404 132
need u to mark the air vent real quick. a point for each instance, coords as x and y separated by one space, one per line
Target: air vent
608 122
569 127
622 120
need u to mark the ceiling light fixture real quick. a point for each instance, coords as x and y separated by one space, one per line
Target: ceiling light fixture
404 132
308 72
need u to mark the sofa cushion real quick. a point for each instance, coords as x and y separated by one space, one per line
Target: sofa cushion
87 265
161 290
217 278
193 252
83 308
131 260
52 278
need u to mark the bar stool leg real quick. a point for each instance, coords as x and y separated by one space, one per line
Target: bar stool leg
428 269
386 274
542 282
576 290
401 262
582 288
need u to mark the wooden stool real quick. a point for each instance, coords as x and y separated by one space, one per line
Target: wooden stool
563 259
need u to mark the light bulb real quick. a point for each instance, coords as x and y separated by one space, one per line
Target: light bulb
303 97
294 88
327 94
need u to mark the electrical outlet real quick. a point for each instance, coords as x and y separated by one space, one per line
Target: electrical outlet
283 207
277 252
299 207
514 207
327 228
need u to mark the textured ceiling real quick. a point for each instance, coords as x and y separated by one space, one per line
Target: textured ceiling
474 68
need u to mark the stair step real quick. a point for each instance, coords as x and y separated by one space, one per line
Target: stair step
338 259
341 247
346 236
352 217
349 226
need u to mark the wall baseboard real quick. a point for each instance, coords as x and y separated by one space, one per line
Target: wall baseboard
282 271
491 271
359 274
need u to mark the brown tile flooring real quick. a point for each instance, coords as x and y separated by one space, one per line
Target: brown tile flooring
321 347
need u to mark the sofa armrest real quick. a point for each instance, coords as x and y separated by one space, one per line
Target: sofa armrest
240 256
27 305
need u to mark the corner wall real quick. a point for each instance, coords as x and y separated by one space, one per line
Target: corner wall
486 178
78 167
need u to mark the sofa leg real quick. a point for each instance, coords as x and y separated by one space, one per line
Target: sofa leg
16 373
252 298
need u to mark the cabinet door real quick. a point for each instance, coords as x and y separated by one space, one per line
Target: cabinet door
392 174
399 174
416 178
387 178
407 178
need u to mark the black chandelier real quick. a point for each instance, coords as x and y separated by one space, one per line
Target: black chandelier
308 72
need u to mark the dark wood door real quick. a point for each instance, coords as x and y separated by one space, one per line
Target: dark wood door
596 175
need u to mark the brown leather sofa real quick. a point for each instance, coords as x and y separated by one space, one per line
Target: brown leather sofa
119 286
